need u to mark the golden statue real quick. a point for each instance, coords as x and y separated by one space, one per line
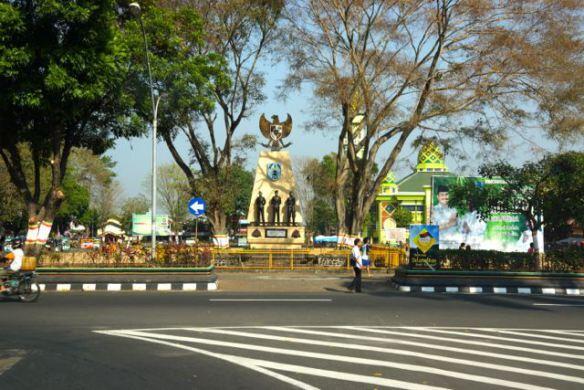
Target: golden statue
275 131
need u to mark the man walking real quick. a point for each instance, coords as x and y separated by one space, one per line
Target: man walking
356 262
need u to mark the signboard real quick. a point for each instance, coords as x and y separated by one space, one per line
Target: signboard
424 242
197 206
276 233
395 235
506 232
142 225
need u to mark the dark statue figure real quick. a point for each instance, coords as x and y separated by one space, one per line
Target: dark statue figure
260 204
291 210
275 203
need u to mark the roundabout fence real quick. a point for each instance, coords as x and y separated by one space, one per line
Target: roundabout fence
302 259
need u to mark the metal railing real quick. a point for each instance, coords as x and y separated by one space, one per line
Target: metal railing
302 259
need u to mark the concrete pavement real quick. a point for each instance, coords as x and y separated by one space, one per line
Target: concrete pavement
270 340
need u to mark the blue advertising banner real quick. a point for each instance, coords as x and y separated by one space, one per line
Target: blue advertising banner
424 243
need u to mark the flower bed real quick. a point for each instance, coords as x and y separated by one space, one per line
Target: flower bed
569 259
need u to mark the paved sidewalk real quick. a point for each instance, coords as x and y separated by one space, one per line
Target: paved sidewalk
301 281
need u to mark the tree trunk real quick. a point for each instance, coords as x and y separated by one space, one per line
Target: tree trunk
218 221
537 257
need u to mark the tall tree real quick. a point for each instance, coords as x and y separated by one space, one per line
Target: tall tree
62 70
174 194
383 70
242 32
134 205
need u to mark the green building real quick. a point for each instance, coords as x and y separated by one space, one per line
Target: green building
413 192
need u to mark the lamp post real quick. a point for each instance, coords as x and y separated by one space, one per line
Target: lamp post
137 12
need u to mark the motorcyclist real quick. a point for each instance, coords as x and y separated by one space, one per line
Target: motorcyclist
14 258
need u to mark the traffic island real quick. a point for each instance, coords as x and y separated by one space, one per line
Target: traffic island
488 282
128 279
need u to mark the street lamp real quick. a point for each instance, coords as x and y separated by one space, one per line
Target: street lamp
136 11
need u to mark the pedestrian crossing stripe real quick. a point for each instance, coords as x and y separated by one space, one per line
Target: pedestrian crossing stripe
337 343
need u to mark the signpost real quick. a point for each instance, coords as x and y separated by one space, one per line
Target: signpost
197 207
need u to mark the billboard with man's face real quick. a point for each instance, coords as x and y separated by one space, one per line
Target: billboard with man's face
507 232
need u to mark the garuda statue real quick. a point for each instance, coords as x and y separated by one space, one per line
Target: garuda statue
275 131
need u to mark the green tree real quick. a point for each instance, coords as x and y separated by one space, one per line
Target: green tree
242 32
63 67
384 71
134 205
402 217
563 205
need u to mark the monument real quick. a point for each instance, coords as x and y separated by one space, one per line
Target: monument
273 193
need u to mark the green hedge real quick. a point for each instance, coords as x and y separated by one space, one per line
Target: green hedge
569 259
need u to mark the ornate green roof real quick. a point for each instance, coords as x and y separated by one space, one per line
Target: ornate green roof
431 158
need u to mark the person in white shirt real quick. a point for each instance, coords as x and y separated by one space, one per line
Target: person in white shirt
357 263
15 257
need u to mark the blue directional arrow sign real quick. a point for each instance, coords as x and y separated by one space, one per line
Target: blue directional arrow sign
197 206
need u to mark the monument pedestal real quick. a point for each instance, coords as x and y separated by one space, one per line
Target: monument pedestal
274 173
276 237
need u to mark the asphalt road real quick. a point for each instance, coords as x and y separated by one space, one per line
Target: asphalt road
330 340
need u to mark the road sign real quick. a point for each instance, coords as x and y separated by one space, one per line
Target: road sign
197 206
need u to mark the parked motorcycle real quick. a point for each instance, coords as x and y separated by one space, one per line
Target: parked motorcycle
22 285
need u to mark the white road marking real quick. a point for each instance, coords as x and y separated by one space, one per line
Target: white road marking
361 347
63 287
114 287
255 364
268 300
189 286
139 286
558 304
88 287
484 336
399 341
537 336
164 287
341 358
232 359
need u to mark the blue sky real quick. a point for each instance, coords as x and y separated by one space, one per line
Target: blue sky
133 156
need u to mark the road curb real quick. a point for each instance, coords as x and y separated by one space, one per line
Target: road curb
492 290
132 287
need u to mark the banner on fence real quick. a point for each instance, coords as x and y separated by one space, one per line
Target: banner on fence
424 242
507 232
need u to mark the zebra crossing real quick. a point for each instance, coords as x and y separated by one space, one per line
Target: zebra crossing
334 357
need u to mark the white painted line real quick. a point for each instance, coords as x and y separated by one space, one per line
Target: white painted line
139 286
524 290
361 347
244 362
63 287
500 290
338 358
212 286
269 300
475 290
43 286
484 336
434 339
451 289
164 287
535 335
428 289
114 287
405 288
189 286
572 291
548 290
88 287
558 304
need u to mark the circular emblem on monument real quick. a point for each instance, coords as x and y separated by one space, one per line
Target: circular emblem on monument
274 171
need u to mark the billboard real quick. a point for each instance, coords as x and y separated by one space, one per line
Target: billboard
424 243
507 232
142 225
